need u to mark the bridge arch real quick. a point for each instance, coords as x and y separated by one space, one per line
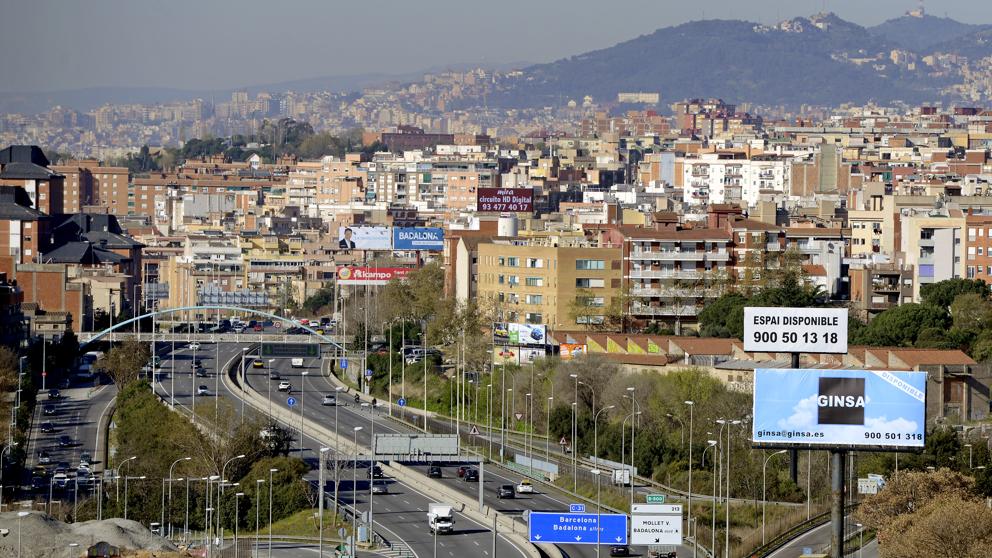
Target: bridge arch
164 311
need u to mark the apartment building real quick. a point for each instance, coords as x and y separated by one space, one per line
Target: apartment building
78 191
540 280
978 247
876 287
932 242
731 178
26 166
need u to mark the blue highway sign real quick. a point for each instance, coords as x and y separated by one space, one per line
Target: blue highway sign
577 528
344 364
577 508
291 401
368 373
401 402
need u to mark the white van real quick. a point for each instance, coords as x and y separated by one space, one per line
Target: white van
297 363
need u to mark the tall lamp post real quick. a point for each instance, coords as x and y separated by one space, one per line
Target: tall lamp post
320 497
170 493
258 491
710 444
969 455
575 410
599 531
270 509
595 431
237 519
117 477
354 495
729 424
691 404
220 485
764 496
126 478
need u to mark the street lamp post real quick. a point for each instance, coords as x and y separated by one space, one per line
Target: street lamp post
575 410
595 432
303 379
126 478
258 489
270 509
170 492
710 444
726 550
220 485
681 428
337 395
599 530
691 404
237 519
354 494
764 496
117 477
634 406
320 497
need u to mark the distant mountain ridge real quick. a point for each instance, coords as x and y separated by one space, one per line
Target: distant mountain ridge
821 59
920 32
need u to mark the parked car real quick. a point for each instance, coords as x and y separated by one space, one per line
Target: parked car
380 487
434 471
202 390
525 487
329 400
619 550
47 426
472 475
375 472
505 491
285 386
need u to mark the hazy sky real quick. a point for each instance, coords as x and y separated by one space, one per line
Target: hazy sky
217 44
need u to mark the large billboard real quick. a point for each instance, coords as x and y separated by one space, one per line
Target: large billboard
839 408
352 275
418 238
505 199
569 351
364 238
519 334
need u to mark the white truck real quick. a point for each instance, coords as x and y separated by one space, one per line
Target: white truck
440 518
621 477
296 363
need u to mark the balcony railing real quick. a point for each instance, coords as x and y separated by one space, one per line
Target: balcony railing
670 292
687 310
647 274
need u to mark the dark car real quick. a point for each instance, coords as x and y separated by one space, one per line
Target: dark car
50 410
375 472
54 394
47 427
202 373
472 475
434 471
505 491
37 482
620 550
64 441
462 470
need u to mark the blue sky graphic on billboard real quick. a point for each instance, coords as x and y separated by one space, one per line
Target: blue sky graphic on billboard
839 408
418 238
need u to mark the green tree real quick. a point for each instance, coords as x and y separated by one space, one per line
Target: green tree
123 363
714 319
943 293
315 303
971 311
901 326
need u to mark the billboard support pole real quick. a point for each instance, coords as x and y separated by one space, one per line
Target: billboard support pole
837 503
794 453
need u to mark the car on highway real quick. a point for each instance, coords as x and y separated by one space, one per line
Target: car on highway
194 346
375 472
462 470
62 467
85 457
38 482
619 550
44 458
197 363
54 394
472 475
64 441
258 327
525 487
202 390
50 410
60 480
329 400
47 426
273 375
257 363
434 472
202 373
285 386
380 487
504 491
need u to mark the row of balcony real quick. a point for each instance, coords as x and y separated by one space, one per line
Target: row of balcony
678 274
669 292
674 311
672 255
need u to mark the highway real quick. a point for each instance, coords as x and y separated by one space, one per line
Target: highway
399 515
818 540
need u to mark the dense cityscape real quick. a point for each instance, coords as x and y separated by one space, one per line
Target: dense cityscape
492 309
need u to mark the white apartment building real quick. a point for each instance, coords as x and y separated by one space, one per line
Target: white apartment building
730 178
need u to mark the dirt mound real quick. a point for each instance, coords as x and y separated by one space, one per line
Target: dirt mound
43 536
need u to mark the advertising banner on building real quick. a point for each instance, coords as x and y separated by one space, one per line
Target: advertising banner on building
418 238
364 238
839 408
519 334
351 275
530 354
506 355
568 351
500 200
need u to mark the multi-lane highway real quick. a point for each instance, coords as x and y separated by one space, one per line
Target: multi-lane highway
400 515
